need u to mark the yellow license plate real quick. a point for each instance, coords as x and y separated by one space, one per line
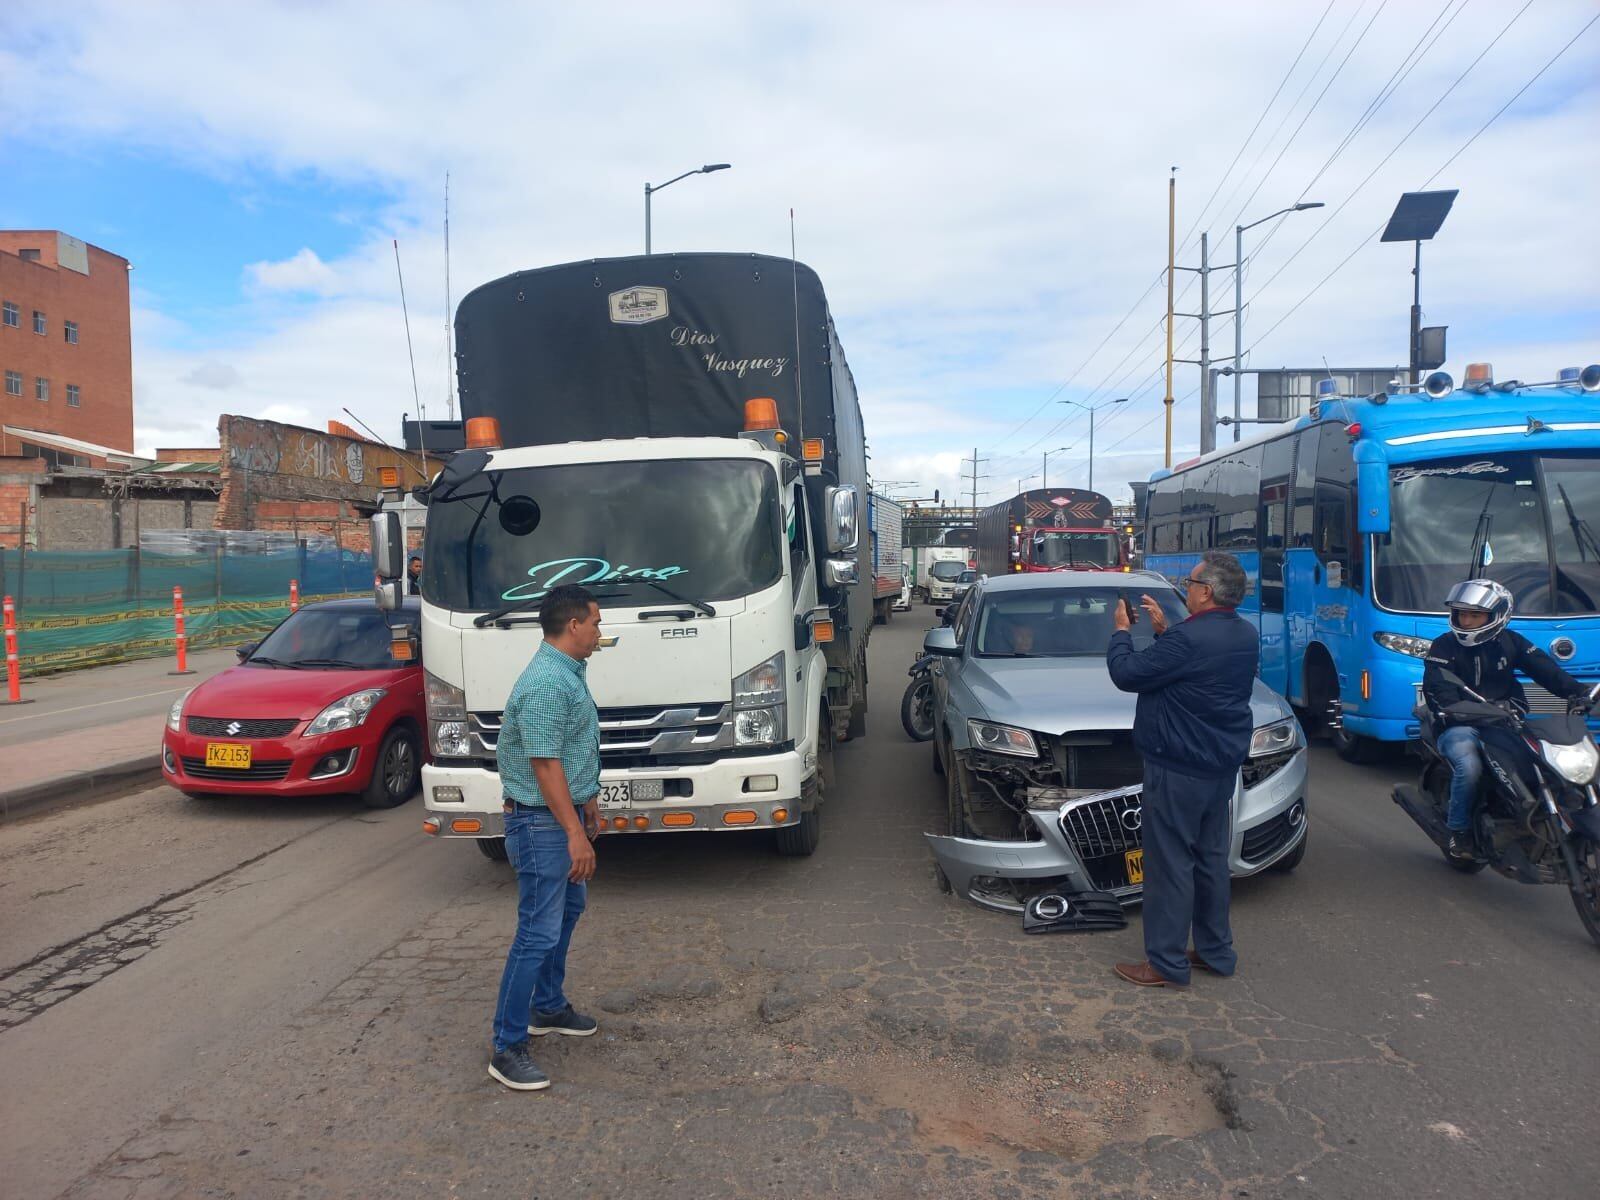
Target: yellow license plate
1135 860
228 755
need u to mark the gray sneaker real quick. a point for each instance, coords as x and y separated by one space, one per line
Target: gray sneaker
568 1022
515 1069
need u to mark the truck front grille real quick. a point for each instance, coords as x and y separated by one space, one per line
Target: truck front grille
640 736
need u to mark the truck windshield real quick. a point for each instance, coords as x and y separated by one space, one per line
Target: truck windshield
947 570
1527 521
709 529
1075 549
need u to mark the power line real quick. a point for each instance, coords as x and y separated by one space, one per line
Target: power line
1537 75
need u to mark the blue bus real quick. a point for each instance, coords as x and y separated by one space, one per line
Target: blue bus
1354 522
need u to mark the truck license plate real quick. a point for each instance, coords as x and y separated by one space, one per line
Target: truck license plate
614 796
1135 860
229 755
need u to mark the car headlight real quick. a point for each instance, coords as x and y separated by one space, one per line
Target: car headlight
175 713
1275 738
759 702
1403 643
1001 739
347 712
447 717
1576 763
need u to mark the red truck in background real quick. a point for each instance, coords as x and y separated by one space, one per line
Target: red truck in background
1050 529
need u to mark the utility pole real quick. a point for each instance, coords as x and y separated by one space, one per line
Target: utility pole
1208 374
1172 254
975 461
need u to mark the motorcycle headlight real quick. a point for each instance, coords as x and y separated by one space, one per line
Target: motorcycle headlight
175 713
1001 739
447 717
1275 738
759 702
1403 643
1576 763
347 712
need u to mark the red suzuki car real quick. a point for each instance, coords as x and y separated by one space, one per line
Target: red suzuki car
320 707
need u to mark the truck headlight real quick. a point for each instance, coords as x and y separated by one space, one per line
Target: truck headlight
347 712
1403 643
1575 763
175 713
1001 739
447 718
1275 738
759 717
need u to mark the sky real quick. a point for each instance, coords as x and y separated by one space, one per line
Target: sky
982 189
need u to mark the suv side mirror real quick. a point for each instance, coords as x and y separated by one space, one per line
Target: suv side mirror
941 642
844 529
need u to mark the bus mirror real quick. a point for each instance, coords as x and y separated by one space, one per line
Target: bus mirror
1372 497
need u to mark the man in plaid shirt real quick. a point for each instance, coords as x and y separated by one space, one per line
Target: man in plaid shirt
549 762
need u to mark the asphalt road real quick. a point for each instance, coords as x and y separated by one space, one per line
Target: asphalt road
244 999
76 701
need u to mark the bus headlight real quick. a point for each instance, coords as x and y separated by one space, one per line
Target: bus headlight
1575 763
1403 643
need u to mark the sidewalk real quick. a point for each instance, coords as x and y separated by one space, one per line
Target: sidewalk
90 731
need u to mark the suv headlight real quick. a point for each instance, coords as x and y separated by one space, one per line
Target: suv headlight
347 712
1001 739
447 718
175 713
1403 643
1275 738
760 704
1576 763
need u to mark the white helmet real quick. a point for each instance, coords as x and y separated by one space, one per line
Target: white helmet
1479 595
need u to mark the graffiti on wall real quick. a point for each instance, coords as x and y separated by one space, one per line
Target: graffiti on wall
268 448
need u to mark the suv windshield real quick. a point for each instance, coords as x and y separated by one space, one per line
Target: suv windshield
346 637
947 570
709 529
1527 521
1075 549
1065 622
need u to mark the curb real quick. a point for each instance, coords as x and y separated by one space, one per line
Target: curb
78 785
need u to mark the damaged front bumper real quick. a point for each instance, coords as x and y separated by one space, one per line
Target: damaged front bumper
1083 841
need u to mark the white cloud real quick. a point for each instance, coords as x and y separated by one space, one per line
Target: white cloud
982 191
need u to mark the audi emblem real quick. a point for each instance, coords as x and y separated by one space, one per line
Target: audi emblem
234 728
1132 819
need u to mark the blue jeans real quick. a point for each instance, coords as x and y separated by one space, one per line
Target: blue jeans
1187 884
1460 747
548 908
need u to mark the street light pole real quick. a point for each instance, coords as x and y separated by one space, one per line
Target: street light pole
1044 466
650 190
1091 410
1238 299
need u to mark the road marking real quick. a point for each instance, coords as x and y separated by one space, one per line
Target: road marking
55 712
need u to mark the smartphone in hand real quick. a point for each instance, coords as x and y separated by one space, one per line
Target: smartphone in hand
1133 613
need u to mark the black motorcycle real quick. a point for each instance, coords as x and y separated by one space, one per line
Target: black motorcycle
1538 820
916 706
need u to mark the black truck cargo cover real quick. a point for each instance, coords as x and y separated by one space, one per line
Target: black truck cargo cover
669 345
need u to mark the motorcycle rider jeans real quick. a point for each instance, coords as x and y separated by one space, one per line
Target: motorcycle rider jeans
1186 880
548 908
1462 750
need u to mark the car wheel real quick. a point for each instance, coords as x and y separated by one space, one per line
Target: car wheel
1353 747
396 773
494 849
938 757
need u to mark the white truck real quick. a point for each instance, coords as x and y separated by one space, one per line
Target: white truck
885 526
942 566
681 435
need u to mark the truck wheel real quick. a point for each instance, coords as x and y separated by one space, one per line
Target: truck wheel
798 841
397 771
880 612
494 849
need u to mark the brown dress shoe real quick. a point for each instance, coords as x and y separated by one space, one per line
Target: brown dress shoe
1145 975
1195 960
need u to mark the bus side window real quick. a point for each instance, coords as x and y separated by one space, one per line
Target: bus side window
1334 511
1302 527
1277 464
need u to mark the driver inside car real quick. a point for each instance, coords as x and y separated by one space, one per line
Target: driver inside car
1482 652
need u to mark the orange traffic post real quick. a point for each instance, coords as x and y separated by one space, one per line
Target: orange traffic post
294 595
13 667
183 640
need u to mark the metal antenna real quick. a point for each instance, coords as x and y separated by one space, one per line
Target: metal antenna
449 340
416 392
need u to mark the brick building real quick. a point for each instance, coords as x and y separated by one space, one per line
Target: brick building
66 351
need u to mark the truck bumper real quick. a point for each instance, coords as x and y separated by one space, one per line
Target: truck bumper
719 795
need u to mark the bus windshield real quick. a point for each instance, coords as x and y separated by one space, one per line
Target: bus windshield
1062 549
708 529
1527 521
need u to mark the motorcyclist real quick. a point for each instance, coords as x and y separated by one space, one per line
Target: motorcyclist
1486 655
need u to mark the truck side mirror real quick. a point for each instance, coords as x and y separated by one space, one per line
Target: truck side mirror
387 546
841 572
844 527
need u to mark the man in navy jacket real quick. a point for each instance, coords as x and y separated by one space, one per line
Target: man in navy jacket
1192 729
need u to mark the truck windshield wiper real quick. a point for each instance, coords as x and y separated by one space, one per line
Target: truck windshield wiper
489 618
666 591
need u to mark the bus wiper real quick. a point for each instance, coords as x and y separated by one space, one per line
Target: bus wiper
1581 531
666 591
1480 535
